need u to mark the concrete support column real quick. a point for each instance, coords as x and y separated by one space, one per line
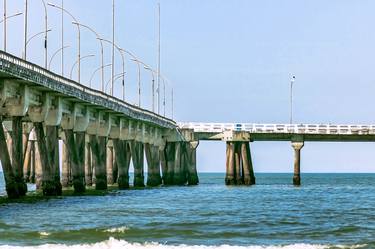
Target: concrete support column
248 171
297 146
52 143
48 183
17 154
238 163
230 164
11 185
32 163
98 148
65 176
27 162
115 166
179 174
167 161
109 165
191 156
88 168
138 162
76 151
153 165
38 173
123 155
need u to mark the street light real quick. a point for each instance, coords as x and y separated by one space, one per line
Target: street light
153 86
54 54
291 98
4 20
78 62
115 77
79 38
32 37
101 48
139 80
120 50
96 70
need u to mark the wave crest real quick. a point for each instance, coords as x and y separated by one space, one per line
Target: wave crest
116 244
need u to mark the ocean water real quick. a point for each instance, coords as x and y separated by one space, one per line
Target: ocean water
327 211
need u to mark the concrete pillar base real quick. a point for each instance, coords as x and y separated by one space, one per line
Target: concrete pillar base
296 180
123 182
139 181
101 182
49 188
11 187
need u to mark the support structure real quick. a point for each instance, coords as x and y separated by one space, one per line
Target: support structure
137 153
123 155
109 164
153 165
297 146
98 148
239 167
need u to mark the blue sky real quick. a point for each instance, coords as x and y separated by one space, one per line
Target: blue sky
231 61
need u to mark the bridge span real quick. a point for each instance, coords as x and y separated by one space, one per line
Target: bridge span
239 167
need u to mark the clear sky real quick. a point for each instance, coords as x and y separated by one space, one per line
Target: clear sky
231 61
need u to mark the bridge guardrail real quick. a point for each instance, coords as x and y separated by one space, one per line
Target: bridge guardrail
281 128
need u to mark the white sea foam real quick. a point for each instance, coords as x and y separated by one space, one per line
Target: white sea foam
117 230
118 244
44 233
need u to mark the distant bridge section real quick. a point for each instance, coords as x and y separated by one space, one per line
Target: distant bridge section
278 132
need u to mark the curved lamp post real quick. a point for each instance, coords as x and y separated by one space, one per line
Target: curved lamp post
96 70
101 49
79 38
120 50
29 40
54 54
78 62
4 20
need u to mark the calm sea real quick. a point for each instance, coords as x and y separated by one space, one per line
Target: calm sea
328 211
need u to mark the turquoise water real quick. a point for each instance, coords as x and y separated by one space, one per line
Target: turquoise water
327 211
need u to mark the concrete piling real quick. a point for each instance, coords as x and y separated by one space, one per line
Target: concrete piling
153 165
297 146
48 183
65 174
11 185
38 172
123 155
239 164
191 156
98 148
17 154
27 162
75 148
32 162
88 167
137 153
179 173
52 143
168 161
109 164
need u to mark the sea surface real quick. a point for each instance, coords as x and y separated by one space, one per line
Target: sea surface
327 211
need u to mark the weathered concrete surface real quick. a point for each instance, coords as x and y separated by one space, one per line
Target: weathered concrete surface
17 154
153 165
98 148
123 156
297 146
137 153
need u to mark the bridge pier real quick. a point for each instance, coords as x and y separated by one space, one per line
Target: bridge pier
239 167
168 161
179 174
109 164
17 154
297 146
49 186
11 185
52 143
66 167
137 153
191 158
75 152
123 155
153 165
88 166
98 148
27 162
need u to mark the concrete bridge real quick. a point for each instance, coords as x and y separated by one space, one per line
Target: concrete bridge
46 118
239 167
99 135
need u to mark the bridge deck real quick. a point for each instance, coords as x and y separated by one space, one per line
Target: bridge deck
283 132
14 68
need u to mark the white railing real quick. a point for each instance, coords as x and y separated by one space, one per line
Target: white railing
329 129
48 74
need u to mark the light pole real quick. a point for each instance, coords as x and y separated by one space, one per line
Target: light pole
158 69
153 86
96 70
139 80
113 49
79 38
291 98
28 41
115 77
54 54
101 48
4 20
78 62
25 32
172 102
120 50
62 38
45 34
